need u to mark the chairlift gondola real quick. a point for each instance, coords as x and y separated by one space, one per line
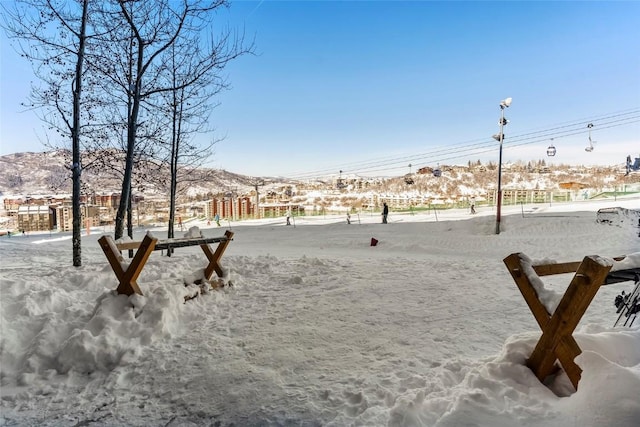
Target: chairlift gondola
551 150
437 172
590 147
408 178
339 182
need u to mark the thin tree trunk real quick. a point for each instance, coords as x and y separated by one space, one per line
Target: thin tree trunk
76 167
130 219
174 164
126 180
131 143
130 215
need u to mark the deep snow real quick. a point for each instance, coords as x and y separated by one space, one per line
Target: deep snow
319 328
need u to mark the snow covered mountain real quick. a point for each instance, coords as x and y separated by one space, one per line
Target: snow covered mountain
49 173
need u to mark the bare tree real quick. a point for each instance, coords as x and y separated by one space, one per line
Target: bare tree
131 57
52 35
194 79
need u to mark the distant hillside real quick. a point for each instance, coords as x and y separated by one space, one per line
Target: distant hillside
48 173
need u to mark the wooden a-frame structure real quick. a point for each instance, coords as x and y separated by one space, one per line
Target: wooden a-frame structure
557 342
128 274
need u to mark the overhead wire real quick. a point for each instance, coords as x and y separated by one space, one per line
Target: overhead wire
479 146
466 150
489 149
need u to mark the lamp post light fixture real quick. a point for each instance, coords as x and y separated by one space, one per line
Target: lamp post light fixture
505 103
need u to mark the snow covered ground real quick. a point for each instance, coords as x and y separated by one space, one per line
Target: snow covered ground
319 328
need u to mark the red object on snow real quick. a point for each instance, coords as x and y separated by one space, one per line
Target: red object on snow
374 241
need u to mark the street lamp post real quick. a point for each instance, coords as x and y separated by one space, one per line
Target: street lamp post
505 103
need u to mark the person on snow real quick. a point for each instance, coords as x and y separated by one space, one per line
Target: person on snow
289 217
216 218
472 202
385 212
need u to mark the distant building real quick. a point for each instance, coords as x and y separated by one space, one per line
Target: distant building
110 200
35 218
274 210
229 207
512 197
572 185
89 217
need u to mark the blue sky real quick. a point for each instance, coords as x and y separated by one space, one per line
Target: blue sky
369 87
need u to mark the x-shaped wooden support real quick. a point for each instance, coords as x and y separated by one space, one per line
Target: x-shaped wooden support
214 257
127 276
557 342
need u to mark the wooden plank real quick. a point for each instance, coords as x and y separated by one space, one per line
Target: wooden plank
566 352
560 268
214 257
180 243
113 256
526 289
123 246
128 284
574 303
540 313
630 274
171 243
128 278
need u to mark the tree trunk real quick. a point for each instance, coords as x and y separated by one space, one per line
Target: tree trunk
130 215
132 123
76 167
126 180
172 188
130 219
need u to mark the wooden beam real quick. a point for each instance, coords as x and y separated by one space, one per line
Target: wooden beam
575 301
123 246
172 243
181 243
548 269
113 255
128 285
570 348
127 276
513 263
557 341
213 258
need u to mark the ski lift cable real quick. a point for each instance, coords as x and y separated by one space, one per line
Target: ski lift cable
469 149
480 142
366 165
487 149
557 135
385 161
581 122
458 155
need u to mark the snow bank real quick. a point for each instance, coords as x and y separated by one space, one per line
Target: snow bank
427 329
